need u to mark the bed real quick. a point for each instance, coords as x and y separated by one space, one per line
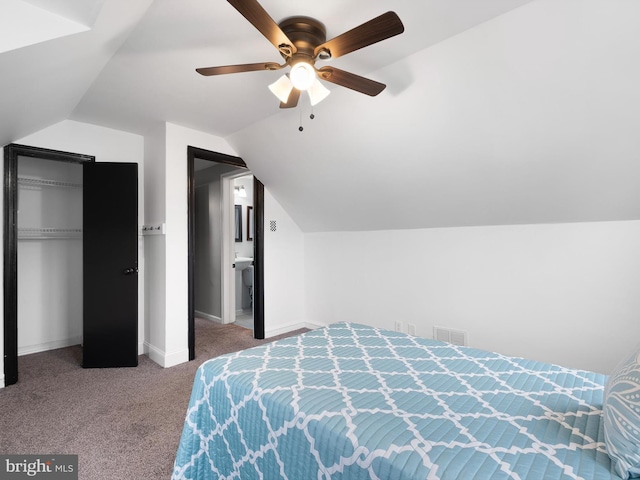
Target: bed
350 401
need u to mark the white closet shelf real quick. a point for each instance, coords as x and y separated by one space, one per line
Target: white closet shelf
48 233
28 181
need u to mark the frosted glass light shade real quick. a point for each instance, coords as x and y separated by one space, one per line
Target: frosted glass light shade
281 88
302 75
317 92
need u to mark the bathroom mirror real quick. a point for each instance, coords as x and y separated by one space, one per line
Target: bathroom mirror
238 223
249 223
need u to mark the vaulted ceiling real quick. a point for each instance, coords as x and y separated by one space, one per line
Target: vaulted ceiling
495 112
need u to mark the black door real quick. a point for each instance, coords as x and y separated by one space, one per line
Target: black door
110 257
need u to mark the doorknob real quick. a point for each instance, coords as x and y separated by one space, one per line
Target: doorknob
130 271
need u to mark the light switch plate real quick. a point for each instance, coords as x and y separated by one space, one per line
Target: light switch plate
153 229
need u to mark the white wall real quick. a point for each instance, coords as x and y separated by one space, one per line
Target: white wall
284 271
155 245
175 349
560 293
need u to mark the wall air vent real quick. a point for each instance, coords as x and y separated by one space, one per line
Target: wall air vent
455 337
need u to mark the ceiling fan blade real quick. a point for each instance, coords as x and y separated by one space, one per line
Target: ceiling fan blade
247 67
259 18
380 28
292 102
351 80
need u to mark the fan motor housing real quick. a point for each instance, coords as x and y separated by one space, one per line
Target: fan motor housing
306 33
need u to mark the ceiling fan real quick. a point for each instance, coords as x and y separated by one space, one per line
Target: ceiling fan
301 41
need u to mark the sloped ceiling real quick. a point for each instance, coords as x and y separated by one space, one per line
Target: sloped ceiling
496 111
84 12
532 117
42 81
23 24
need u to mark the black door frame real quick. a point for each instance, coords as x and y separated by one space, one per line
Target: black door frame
11 154
258 240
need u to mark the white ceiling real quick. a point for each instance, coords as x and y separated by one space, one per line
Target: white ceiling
152 77
83 12
496 111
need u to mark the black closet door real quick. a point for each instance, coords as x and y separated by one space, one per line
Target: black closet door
110 257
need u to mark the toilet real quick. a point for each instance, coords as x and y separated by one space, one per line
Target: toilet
247 280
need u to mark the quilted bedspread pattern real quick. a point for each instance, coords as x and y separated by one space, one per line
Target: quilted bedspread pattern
354 402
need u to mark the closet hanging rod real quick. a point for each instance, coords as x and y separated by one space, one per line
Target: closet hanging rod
47 183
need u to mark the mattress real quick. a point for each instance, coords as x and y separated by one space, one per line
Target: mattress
354 402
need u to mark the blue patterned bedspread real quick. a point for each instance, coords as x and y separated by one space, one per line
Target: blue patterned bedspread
354 402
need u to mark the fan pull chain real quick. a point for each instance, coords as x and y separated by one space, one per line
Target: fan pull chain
312 116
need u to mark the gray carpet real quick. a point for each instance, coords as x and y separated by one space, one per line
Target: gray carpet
124 423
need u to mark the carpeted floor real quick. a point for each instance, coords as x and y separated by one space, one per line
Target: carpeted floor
124 423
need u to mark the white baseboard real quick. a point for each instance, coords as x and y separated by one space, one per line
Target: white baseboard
166 360
312 326
176 358
154 354
2 381
206 316
272 332
43 347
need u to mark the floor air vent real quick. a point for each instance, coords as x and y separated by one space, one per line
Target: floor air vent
456 337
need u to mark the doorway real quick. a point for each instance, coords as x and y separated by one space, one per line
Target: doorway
241 293
12 153
193 154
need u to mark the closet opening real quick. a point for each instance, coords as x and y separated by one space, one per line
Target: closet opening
42 242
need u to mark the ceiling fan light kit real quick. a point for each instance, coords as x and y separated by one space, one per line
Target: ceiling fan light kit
282 88
301 41
302 75
317 92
